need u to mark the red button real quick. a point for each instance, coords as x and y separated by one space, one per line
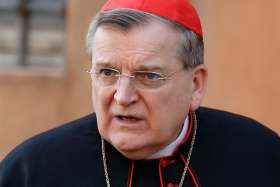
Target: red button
165 163
172 185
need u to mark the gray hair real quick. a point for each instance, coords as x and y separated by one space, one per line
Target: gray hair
191 47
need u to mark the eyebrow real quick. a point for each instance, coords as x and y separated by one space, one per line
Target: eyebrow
140 67
102 63
149 68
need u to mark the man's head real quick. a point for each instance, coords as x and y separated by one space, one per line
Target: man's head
148 73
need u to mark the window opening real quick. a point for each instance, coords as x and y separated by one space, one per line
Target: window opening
32 33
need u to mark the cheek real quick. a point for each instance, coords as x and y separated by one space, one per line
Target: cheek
102 99
169 109
169 103
101 96
93 93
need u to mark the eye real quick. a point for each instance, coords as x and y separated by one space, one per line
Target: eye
151 76
107 72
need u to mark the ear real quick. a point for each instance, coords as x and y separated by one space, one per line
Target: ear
200 78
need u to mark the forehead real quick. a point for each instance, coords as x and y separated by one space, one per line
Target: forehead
154 40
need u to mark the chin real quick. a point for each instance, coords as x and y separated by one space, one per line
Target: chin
134 154
130 148
124 145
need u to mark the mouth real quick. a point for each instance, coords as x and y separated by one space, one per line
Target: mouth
129 122
127 118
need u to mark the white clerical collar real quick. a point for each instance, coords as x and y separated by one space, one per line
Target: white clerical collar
169 149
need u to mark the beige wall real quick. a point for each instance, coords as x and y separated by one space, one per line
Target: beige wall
242 53
241 39
31 102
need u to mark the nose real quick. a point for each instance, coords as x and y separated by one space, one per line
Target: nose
126 93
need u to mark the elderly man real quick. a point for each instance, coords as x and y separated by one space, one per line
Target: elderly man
148 80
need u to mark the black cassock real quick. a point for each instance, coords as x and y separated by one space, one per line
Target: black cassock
230 151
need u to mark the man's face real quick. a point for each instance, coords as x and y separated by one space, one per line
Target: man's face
140 121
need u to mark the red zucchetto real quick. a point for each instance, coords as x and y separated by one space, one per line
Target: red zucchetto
180 11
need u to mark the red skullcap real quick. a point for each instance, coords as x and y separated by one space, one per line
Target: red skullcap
180 11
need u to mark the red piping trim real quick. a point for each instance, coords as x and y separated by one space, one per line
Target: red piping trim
183 158
194 179
160 173
131 171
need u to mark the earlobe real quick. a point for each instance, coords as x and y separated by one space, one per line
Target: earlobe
200 78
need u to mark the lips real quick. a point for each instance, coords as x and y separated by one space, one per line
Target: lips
127 118
129 122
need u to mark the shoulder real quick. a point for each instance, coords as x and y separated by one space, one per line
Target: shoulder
236 146
69 133
73 132
42 152
234 132
219 120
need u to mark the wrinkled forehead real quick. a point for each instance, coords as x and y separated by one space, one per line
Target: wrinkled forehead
154 37
152 44
136 24
126 20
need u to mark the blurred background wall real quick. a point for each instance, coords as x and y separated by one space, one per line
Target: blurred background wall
242 44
